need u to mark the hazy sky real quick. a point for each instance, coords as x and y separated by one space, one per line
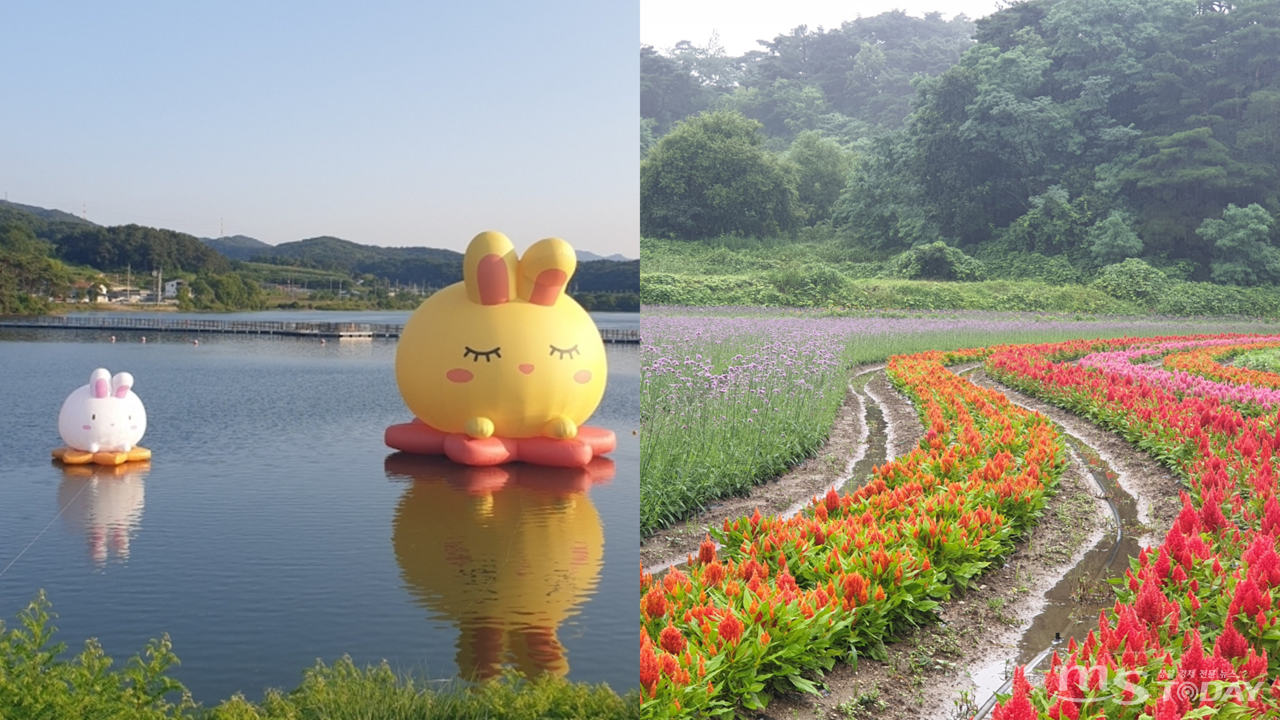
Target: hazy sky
663 23
385 123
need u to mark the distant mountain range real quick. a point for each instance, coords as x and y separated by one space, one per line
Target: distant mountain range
76 240
243 247
409 265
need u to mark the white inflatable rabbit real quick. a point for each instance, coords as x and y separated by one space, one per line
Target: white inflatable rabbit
103 416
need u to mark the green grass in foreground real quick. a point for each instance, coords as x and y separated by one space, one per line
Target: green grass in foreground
36 682
696 443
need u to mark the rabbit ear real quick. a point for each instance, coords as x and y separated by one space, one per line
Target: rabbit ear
489 269
100 383
122 382
545 270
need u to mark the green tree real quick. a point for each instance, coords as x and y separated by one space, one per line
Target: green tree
1054 225
883 204
1113 240
647 138
1243 253
1180 179
710 176
21 240
822 169
784 108
668 93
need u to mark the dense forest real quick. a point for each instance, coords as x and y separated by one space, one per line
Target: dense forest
1063 136
43 253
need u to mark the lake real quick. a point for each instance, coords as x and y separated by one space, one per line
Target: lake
273 527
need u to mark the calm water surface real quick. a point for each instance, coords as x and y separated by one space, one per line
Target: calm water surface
273 528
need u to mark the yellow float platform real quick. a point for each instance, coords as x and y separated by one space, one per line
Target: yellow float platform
71 456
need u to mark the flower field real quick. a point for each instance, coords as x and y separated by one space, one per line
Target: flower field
1194 631
729 399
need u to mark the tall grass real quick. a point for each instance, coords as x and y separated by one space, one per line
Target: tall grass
732 397
37 681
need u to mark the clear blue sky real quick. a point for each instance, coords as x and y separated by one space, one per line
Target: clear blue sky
384 123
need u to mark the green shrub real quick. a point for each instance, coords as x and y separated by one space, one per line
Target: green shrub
797 290
1199 298
342 690
938 261
1004 262
1132 280
37 682
809 285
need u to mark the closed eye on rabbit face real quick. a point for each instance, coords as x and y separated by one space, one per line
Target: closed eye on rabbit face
570 354
488 355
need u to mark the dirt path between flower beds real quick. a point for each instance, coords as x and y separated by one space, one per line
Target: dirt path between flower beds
902 421
947 670
833 462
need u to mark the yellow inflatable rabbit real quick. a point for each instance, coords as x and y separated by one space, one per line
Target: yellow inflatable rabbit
503 366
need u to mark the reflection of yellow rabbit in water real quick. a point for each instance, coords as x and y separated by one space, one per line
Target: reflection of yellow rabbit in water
505 553
503 366
106 502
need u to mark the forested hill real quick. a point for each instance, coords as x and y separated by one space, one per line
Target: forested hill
79 242
237 247
43 213
1086 130
842 81
423 266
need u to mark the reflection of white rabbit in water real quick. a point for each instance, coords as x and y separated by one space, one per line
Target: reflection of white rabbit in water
104 415
105 502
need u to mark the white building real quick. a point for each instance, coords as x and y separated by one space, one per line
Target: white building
171 288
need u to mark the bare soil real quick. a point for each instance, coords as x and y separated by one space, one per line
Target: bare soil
901 419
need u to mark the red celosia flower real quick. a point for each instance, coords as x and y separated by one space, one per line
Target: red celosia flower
1230 644
1064 710
650 670
1019 706
672 640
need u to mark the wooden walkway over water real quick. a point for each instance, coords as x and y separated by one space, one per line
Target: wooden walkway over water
344 330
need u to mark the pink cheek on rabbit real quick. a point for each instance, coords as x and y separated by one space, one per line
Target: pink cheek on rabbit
582 377
86 427
459 375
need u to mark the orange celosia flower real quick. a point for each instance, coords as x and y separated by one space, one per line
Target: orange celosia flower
730 629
